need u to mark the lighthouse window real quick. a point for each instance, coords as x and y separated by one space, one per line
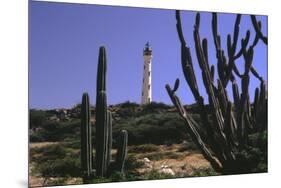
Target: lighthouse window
149 73
142 94
148 99
149 86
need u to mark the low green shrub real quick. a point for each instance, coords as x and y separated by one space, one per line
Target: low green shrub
66 167
37 118
153 128
132 163
187 146
201 172
51 152
144 148
50 181
155 175
156 156
52 131
74 144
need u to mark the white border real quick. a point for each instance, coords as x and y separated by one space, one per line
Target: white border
237 6
13 82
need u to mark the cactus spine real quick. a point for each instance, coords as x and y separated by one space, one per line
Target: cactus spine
104 165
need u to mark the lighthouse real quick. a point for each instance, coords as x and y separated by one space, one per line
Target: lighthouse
146 81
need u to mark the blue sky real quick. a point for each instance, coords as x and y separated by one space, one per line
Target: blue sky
63 50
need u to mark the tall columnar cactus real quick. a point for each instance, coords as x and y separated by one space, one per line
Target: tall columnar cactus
101 115
104 127
86 141
227 134
104 165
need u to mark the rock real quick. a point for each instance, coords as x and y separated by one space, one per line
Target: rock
146 160
164 166
54 118
167 171
147 163
184 142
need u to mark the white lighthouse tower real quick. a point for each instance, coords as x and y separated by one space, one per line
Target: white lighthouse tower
146 82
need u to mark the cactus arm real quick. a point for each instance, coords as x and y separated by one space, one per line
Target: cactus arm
256 100
229 127
262 106
244 43
236 71
121 151
192 130
231 48
258 29
179 28
109 142
236 97
86 144
256 74
216 36
236 32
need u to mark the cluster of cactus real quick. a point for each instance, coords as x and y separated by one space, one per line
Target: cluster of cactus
226 135
104 165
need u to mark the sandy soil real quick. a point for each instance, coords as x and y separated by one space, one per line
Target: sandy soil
181 163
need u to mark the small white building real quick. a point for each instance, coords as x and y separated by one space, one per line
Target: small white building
146 95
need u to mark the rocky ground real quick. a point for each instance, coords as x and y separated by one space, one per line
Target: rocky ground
172 160
176 160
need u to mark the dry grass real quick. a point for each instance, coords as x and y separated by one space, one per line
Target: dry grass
183 163
41 144
178 157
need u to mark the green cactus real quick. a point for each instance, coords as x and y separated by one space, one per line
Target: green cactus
86 143
257 26
101 116
104 127
121 151
236 96
104 165
101 134
228 133
109 144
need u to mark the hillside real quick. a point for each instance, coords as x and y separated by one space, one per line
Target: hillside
158 145
155 123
